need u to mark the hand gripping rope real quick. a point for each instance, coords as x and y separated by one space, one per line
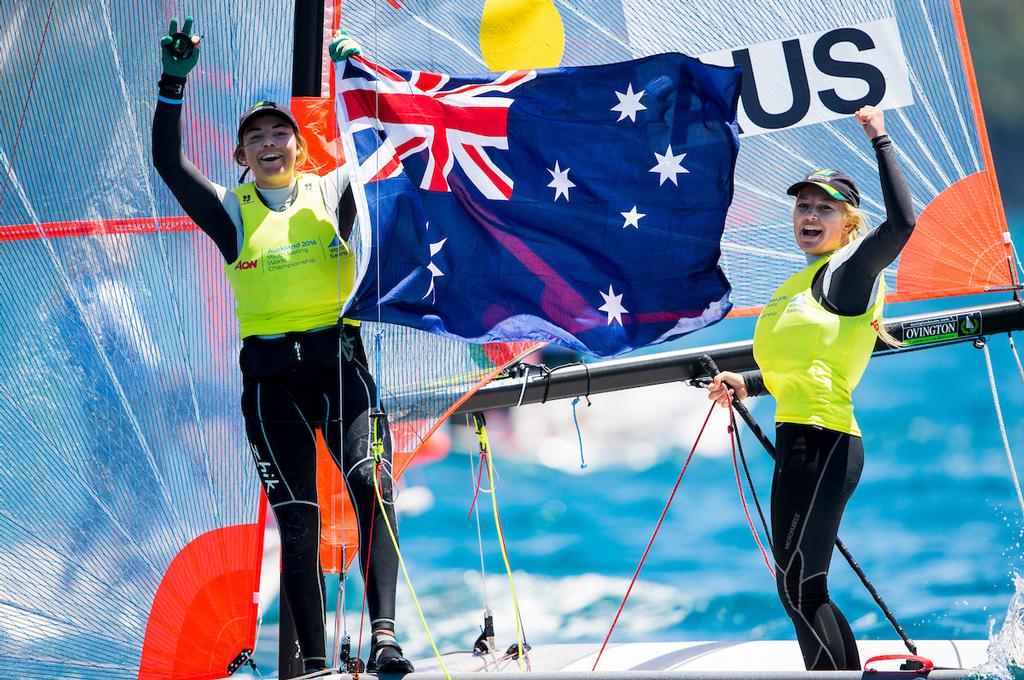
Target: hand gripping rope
711 369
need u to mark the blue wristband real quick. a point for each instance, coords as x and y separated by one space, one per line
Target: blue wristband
165 100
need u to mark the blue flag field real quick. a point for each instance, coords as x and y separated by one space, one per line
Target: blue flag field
578 206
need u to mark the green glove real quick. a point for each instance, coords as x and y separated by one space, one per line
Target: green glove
342 46
175 63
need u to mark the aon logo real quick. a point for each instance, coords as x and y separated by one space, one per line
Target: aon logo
246 264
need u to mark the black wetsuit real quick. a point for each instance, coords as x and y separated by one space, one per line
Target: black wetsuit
817 469
294 384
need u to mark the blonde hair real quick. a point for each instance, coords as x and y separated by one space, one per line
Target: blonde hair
858 227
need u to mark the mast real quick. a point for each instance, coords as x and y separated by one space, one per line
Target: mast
307 74
919 331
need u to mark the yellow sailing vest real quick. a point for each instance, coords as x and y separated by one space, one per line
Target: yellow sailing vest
293 271
810 358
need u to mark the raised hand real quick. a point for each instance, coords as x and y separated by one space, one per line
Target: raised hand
872 119
179 49
342 46
724 385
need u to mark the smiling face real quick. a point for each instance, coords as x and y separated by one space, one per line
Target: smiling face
819 222
271 149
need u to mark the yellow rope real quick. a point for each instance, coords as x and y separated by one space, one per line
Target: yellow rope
485 449
377 446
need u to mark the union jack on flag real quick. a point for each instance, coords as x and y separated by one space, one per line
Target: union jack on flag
579 206
417 113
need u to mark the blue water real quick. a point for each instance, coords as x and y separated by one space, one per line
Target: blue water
935 522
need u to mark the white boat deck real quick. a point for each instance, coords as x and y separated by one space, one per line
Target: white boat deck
758 660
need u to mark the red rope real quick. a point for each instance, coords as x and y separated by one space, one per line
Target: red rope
479 478
743 499
24 110
650 543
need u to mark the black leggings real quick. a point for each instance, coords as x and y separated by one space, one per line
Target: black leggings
292 388
816 471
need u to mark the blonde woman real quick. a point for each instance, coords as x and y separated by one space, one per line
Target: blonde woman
812 344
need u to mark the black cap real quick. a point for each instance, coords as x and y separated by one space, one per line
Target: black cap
836 184
258 109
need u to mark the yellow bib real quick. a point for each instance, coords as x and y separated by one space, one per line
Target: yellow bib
293 271
810 358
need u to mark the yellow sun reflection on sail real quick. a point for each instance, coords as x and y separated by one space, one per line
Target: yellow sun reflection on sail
520 34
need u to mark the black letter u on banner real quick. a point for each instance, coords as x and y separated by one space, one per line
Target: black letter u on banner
797 83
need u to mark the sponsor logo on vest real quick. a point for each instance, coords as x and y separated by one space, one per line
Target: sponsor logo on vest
818 77
247 264
247 198
938 329
337 247
291 247
798 302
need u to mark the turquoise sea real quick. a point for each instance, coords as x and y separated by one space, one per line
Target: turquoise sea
935 522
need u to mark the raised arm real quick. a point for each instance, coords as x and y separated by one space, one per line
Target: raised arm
848 284
201 199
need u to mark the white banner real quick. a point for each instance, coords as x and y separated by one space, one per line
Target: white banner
819 77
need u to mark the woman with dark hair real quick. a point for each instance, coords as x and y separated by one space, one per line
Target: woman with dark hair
283 239
812 343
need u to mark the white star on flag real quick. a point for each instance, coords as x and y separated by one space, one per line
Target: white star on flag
434 270
669 166
612 306
632 218
560 182
629 103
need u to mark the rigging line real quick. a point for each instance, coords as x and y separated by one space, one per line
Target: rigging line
479 531
28 97
1016 357
340 606
485 448
750 484
378 446
172 290
1016 257
1002 425
733 436
526 378
341 610
949 86
366 548
654 535
479 479
579 433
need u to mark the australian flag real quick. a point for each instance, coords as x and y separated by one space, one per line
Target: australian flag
578 206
